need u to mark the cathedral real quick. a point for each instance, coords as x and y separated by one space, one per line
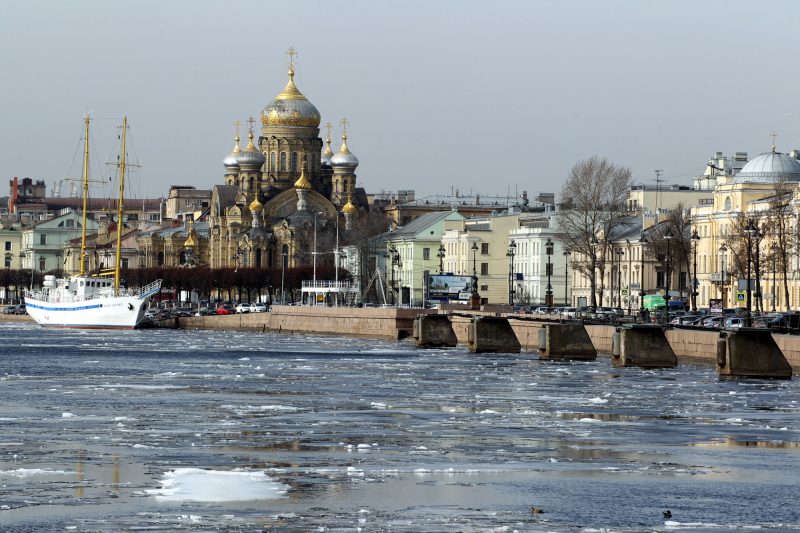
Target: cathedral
282 188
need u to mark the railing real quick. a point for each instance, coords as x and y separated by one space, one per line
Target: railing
326 284
149 290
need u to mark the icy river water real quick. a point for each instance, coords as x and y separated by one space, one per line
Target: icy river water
164 430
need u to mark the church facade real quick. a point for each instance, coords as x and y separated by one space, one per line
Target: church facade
281 188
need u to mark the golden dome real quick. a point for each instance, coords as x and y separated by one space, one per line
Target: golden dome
256 205
349 208
302 182
290 108
190 242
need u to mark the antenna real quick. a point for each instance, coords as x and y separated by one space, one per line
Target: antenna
658 172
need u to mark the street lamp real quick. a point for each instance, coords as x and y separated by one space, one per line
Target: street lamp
774 250
512 250
475 299
548 246
667 265
642 243
695 241
723 250
284 259
566 277
751 231
440 254
620 253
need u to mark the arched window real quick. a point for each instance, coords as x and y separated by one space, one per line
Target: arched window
160 258
272 158
182 258
294 161
258 257
42 264
283 161
727 204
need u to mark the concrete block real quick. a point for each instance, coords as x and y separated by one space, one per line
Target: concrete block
751 353
645 346
434 331
568 341
489 334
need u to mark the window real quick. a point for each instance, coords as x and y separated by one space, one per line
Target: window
426 254
283 161
70 223
8 246
124 262
43 239
154 217
8 261
42 264
272 158
484 248
131 216
294 161
484 288
160 259
484 269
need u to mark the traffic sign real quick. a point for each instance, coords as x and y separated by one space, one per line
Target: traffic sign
740 296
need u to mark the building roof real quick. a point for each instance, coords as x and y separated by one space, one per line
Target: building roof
770 167
419 224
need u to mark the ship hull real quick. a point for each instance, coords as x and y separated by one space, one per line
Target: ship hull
119 312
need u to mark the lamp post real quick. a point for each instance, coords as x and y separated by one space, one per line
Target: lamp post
642 242
284 259
548 247
723 250
695 241
611 277
512 250
566 277
440 254
774 250
475 299
593 244
751 230
668 265
621 252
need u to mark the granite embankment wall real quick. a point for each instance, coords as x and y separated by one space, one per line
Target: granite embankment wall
384 323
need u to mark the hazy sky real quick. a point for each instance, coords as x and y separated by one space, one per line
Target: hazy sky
480 96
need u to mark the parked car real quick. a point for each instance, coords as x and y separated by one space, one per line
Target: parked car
21 310
183 312
242 308
713 322
205 311
569 312
258 307
226 309
541 310
10 310
734 323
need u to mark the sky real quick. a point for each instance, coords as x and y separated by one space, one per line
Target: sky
485 97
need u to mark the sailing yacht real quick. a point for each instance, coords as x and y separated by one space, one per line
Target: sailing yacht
86 300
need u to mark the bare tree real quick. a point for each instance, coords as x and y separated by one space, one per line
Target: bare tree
745 248
594 198
779 226
675 253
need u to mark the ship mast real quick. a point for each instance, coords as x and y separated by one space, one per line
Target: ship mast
85 195
119 205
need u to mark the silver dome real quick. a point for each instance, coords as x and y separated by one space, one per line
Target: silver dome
250 158
231 160
769 168
344 160
325 160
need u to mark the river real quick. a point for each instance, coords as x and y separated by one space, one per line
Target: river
166 430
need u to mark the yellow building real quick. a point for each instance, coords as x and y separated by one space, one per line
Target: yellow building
764 191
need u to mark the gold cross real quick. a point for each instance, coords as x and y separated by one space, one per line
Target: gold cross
291 53
236 125
329 127
773 135
251 121
344 122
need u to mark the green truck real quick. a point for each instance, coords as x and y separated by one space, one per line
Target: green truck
653 302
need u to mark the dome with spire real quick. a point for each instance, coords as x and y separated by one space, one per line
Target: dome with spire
770 167
251 156
327 154
349 208
232 159
344 158
302 182
256 206
290 108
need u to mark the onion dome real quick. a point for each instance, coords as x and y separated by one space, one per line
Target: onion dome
251 156
190 241
349 208
344 158
770 167
256 206
302 182
231 160
327 154
290 108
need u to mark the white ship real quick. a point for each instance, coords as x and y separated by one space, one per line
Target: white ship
91 301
